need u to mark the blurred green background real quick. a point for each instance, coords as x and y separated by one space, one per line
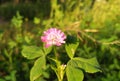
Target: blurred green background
95 22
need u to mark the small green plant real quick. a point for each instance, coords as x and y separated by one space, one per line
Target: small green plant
36 20
49 52
17 20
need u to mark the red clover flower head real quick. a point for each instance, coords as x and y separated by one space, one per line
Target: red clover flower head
53 36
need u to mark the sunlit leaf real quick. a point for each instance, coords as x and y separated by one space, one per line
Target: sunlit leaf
38 68
31 52
47 50
74 73
71 48
89 65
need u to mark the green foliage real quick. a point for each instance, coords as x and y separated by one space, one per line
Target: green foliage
74 73
95 23
17 20
89 65
38 68
32 52
47 50
77 64
71 48
74 66
10 77
36 20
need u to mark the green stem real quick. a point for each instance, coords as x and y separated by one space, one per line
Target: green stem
9 56
58 76
59 68
55 53
60 72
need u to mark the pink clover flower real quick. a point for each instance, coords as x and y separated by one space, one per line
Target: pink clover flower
53 36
